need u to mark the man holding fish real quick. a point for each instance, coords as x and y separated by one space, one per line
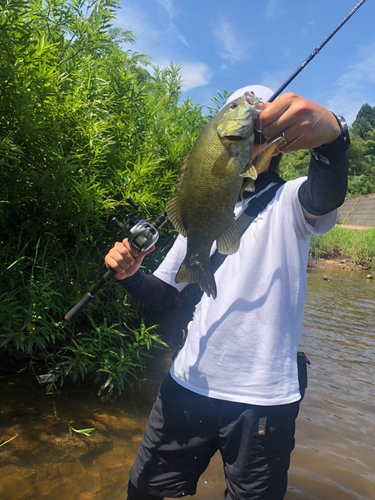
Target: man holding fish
234 385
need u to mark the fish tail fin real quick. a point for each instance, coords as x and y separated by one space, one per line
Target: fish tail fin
191 273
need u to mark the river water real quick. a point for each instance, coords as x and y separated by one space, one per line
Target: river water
334 456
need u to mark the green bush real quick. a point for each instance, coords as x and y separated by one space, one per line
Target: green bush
360 184
83 125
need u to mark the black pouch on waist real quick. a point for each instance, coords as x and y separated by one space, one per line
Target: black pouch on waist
302 362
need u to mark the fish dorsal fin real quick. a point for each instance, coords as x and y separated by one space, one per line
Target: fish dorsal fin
173 207
174 215
229 241
182 173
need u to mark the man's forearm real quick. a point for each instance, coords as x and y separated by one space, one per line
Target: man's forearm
148 289
326 184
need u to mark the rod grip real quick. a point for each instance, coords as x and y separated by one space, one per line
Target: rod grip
109 274
76 310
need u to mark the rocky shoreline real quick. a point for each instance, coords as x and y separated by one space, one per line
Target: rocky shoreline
340 264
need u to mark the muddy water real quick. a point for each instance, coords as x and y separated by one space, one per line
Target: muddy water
335 453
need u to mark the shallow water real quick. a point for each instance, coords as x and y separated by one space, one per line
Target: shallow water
335 452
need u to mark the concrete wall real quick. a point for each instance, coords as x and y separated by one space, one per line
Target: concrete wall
358 212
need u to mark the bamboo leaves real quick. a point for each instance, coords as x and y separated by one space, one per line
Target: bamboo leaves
83 124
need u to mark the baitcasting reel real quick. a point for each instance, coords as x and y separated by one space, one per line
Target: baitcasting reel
142 236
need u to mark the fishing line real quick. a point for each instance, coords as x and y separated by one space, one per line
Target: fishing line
306 62
290 143
315 52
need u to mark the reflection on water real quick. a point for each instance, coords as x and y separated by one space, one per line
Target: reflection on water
335 452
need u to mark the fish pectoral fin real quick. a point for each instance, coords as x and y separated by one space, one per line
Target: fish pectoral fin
248 182
261 158
247 185
250 172
174 215
229 241
223 164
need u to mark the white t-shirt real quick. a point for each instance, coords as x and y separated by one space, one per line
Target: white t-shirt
242 346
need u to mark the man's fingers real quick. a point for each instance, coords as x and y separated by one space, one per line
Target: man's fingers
303 123
124 259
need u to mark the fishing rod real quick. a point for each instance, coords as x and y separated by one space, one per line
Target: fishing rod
142 236
315 52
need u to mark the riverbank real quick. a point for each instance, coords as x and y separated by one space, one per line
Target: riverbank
337 263
345 248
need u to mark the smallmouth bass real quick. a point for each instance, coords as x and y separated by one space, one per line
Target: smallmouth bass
214 173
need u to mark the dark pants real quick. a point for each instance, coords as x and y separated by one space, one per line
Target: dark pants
185 430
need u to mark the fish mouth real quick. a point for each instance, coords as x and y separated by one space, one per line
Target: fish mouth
260 106
254 101
234 138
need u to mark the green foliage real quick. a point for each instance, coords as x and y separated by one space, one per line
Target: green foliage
361 153
219 101
294 165
112 355
356 246
7 441
364 123
359 184
84 432
83 125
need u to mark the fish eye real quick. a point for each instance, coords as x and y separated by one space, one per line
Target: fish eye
233 106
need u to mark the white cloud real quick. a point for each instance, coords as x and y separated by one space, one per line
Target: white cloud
149 38
194 75
169 7
183 40
172 12
306 29
230 46
356 86
362 71
272 9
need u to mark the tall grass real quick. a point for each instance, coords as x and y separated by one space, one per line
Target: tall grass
356 246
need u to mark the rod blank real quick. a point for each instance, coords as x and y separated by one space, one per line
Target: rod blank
315 52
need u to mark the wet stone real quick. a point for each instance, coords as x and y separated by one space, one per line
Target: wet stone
97 425
116 423
113 491
113 474
16 483
64 489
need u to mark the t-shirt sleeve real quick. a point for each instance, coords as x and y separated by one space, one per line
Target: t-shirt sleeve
171 264
296 217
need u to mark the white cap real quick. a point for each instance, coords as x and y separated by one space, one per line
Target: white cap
263 93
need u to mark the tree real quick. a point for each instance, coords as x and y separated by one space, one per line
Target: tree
365 121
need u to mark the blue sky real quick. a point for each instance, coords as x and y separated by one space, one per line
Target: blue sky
229 44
